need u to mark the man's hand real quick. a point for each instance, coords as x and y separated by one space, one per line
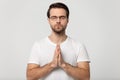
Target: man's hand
61 61
54 63
57 59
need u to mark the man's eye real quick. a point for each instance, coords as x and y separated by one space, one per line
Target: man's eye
54 17
62 17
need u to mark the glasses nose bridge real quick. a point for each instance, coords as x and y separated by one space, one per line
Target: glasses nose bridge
58 18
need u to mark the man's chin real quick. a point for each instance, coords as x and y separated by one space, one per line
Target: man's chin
58 31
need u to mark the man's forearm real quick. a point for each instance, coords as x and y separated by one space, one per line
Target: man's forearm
39 72
77 73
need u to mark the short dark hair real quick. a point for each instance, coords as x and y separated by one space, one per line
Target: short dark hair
58 5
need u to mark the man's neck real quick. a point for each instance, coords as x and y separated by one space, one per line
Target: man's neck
57 38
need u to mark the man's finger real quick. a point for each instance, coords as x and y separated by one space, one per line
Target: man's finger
59 59
56 52
58 49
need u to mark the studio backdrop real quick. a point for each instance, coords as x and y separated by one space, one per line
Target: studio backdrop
95 23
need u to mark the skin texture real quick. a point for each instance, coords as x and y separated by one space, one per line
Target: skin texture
57 36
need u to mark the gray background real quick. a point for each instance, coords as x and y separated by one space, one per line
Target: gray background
96 23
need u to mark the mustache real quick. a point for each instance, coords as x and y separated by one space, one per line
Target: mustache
58 24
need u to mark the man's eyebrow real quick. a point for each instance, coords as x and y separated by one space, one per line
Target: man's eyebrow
58 16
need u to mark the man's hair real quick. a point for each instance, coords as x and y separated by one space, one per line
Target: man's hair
58 5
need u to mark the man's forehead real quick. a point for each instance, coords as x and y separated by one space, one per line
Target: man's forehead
58 11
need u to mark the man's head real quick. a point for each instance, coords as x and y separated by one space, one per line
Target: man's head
58 5
58 15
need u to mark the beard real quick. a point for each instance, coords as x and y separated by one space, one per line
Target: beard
58 29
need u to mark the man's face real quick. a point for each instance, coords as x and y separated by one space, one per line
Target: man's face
58 20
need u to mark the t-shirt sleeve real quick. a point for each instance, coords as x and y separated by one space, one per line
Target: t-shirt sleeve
82 54
34 54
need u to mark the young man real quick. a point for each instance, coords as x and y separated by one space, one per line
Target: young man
58 57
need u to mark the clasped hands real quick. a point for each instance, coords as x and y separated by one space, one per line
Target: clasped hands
57 58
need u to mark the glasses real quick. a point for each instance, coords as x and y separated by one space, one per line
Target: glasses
54 18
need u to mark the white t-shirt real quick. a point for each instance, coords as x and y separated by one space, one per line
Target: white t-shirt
71 50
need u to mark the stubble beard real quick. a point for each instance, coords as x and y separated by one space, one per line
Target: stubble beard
58 30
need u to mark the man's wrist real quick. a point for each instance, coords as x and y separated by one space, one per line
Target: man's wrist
52 65
64 65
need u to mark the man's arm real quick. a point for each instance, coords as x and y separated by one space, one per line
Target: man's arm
80 72
35 72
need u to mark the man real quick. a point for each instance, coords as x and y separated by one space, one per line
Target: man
58 57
